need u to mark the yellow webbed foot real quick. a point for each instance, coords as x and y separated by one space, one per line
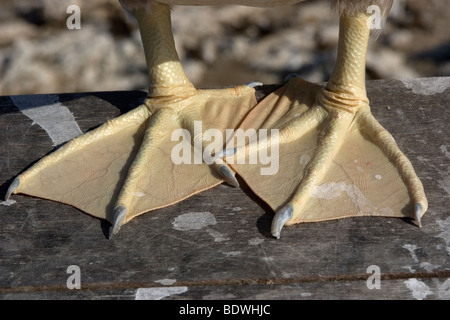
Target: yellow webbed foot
145 159
332 162
329 158
155 155
334 159
176 158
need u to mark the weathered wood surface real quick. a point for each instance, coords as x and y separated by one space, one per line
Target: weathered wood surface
234 256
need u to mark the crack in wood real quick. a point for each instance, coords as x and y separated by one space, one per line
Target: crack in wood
230 282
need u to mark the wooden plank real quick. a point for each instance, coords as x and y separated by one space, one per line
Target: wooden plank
401 289
235 253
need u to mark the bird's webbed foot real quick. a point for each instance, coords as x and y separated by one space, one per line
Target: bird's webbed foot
330 159
153 156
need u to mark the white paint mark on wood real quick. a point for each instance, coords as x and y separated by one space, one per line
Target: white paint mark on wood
412 248
429 267
218 237
444 183
50 114
166 282
419 289
444 151
8 202
158 293
267 259
232 253
427 86
255 241
445 234
444 290
305 294
193 221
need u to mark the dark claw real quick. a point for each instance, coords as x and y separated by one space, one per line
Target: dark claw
120 213
229 176
12 187
417 212
280 219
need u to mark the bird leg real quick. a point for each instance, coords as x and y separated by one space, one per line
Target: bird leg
335 159
129 166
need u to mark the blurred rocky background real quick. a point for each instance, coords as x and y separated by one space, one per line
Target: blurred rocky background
218 46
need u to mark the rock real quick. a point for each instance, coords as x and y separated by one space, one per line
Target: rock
78 60
385 63
220 45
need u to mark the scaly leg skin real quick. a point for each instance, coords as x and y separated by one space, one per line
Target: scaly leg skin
152 156
334 159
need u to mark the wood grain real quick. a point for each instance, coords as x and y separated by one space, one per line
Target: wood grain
235 257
